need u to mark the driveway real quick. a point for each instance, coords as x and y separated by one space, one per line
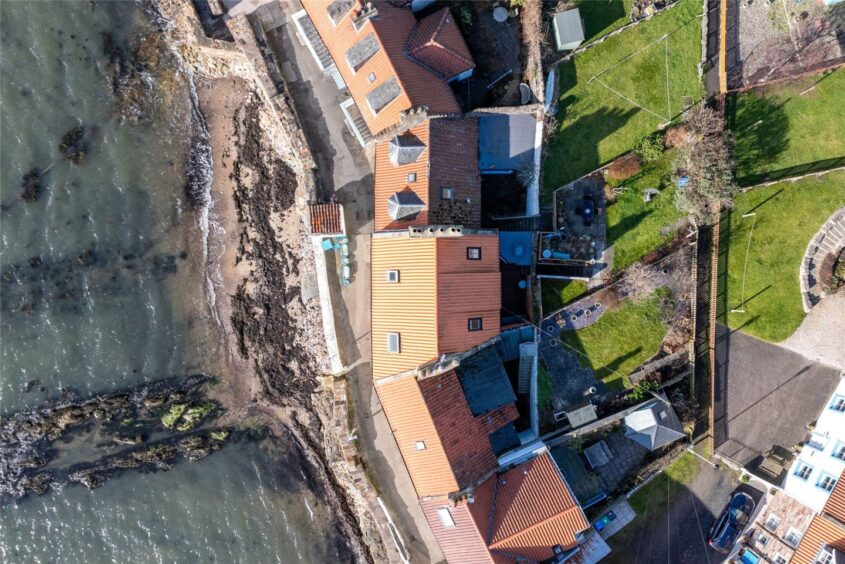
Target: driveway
765 395
680 533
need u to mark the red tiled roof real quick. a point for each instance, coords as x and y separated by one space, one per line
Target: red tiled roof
450 159
463 437
835 506
823 532
326 218
528 510
438 44
392 27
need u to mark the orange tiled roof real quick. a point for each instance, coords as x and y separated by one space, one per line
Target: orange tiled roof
823 531
391 28
410 421
532 510
439 289
438 44
462 543
835 506
450 158
326 218
434 410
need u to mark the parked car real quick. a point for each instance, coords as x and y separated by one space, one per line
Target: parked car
731 522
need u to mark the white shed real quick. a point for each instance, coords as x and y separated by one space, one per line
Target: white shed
569 29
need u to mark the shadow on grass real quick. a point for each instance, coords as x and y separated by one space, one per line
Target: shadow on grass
760 126
601 17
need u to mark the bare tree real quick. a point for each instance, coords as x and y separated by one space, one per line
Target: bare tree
704 167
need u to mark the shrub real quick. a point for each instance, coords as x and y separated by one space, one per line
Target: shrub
649 148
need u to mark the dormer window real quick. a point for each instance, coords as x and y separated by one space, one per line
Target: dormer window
337 9
412 177
358 55
473 253
393 276
474 324
383 94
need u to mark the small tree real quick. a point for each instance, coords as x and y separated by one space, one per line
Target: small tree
704 167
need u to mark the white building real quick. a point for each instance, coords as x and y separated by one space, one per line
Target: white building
822 459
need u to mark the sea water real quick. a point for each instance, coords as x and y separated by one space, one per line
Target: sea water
105 287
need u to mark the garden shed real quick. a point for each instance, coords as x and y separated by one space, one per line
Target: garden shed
569 29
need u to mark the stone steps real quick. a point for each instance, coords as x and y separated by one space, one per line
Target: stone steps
829 239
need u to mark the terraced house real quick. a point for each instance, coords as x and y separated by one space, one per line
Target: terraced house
392 64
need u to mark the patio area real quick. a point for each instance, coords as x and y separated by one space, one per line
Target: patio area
580 223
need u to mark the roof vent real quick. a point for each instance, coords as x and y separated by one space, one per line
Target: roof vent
405 149
404 205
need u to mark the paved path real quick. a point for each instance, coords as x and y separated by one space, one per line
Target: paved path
765 395
679 534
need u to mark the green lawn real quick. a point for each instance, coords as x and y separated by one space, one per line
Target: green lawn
634 226
603 16
788 215
597 125
544 388
778 127
558 293
619 342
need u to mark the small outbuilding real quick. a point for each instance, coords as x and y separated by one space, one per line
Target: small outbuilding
569 29
654 425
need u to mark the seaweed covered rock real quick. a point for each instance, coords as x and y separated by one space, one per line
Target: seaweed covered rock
72 145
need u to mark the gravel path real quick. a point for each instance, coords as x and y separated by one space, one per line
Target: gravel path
820 336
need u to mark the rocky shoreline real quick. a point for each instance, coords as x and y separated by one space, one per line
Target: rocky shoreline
265 294
145 427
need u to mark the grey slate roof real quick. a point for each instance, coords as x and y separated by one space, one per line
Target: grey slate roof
485 382
404 205
405 149
654 426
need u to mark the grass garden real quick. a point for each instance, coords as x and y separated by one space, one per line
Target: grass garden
622 339
558 293
788 215
781 127
636 227
620 90
651 498
603 16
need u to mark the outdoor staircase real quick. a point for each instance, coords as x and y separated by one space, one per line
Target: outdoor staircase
527 354
358 122
313 38
829 239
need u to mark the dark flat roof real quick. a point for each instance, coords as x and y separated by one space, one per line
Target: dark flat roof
485 382
505 141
